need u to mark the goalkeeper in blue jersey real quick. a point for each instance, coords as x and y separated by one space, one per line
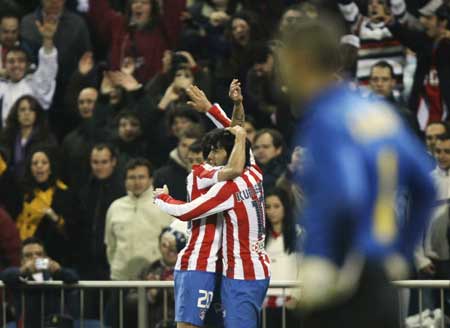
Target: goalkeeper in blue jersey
360 156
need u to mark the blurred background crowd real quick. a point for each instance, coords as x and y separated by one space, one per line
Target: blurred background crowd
94 115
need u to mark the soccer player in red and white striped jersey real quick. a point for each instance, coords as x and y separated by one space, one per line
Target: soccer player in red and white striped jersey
199 262
246 264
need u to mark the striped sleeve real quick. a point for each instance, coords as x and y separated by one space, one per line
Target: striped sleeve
218 116
218 199
206 175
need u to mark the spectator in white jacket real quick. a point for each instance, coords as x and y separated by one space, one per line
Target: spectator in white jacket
42 83
133 224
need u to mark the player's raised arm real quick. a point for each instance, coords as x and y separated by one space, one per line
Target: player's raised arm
236 162
235 94
218 199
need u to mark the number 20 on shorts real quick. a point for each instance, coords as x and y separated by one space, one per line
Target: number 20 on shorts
205 299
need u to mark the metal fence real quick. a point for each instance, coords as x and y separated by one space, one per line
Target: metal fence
142 306
102 287
421 286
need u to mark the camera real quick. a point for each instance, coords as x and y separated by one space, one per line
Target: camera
42 264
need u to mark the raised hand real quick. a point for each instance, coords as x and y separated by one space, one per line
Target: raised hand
218 18
237 131
169 96
235 92
107 85
128 66
167 61
86 63
198 101
48 28
126 81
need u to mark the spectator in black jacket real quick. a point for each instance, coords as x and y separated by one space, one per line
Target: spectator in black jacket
77 145
430 93
268 148
175 172
105 185
36 266
130 141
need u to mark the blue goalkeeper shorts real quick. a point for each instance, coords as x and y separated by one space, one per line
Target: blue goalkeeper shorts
197 298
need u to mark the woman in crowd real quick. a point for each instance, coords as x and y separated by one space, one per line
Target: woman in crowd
281 236
26 126
46 205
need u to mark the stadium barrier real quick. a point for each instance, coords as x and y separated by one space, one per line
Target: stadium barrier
420 286
142 286
102 287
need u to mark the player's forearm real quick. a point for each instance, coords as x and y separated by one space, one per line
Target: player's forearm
236 162
238 117
181 210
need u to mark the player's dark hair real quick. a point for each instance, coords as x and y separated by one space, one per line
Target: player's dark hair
139 162
383 64
221 138
277 137
318 38
288 227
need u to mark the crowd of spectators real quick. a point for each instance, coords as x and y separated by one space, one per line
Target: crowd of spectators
95 114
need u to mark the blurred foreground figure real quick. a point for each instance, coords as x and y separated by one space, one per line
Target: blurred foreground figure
360 155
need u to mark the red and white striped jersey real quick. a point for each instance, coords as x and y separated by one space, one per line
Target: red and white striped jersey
242 203
205 239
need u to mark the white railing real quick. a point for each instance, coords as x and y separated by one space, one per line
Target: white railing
141 287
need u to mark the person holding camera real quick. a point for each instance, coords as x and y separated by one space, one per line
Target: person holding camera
36 266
